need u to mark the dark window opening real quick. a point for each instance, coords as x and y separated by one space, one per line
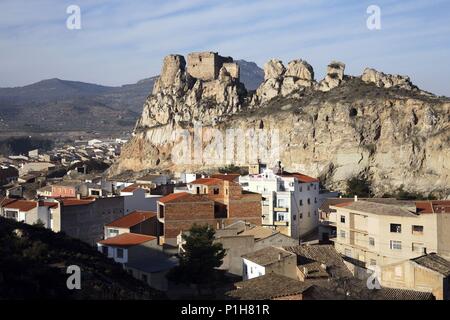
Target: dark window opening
396 228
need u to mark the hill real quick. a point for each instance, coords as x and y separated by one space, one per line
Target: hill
377 127
56 105
34 260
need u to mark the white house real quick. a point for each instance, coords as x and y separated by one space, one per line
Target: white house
121 247
136 198
290 200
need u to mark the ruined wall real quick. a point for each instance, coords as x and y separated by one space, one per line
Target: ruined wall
203 65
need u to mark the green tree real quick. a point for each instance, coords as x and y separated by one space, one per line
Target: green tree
200 257
358 187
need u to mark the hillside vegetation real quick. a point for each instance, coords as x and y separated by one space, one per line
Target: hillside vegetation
34 260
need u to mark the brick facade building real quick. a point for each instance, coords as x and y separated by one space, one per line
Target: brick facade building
211 201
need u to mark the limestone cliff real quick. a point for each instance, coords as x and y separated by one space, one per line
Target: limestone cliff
376 126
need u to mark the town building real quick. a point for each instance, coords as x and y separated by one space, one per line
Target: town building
379 234
271 286
139 222
28 211
141 256
238 242
290 201
267 260
8 174
211 201
429 273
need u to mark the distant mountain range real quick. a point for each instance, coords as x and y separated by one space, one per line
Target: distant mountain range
62 105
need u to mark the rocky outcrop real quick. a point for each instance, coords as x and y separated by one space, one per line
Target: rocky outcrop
383 80
279 80
376 126
179 97
334 77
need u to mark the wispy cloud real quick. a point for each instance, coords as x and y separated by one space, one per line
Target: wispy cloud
124 41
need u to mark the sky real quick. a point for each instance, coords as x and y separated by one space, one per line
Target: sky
122 42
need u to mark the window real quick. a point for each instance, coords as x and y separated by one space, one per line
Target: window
105 250
417 230
308 188
342 234
373 262
295 217
342 219
280 217
113 232
396 228
418 247
315 187
301 188
281 203
309 214
309 201
301 215
348 253
371 241
119 253
301 202
395 245
216 191
315 200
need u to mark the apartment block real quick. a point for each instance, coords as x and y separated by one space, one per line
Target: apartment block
380 234
290 201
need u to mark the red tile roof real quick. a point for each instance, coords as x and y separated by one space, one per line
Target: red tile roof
207 181
300 177
127 240
48 204
22 205
228 177
183 197
130 188
76 202
131 219
433 206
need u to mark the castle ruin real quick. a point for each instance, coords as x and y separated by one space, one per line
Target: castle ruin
206 65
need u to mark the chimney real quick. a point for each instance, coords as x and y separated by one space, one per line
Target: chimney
424 251
356 198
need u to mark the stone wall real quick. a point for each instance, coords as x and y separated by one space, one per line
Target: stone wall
206 65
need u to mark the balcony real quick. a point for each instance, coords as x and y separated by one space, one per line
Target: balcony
280 209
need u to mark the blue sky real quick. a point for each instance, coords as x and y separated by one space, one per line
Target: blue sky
124 41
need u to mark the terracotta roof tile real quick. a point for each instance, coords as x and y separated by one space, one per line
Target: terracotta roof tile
207 181
22 205
48 204
300 177
227 177
76 202
127 240
183 197
132 219
433 206
130 188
